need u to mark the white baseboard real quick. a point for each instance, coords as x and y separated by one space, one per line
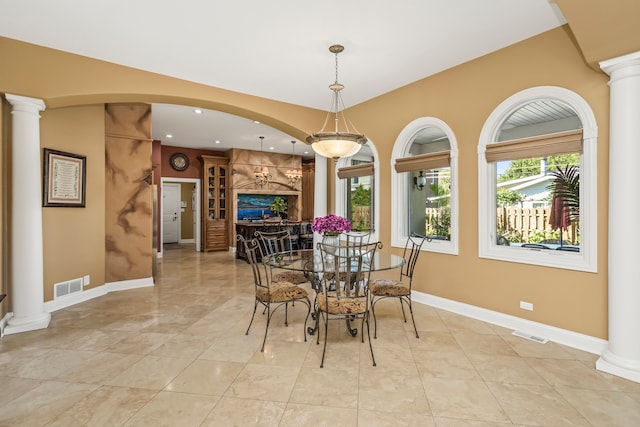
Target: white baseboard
187 241
78 297
3 323
561 336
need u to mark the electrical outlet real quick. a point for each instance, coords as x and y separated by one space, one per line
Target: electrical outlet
526 305
86 280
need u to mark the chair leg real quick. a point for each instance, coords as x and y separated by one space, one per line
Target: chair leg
403 315
255 307
326 332
305 320
412 318
266 328
369 336
375 321
286 314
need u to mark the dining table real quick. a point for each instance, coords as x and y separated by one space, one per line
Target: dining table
310 262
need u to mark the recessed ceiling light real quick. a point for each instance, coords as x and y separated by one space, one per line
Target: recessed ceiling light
197 111
256 122
169 135
271 148
306 152
217 142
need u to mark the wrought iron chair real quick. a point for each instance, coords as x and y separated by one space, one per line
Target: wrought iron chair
355 239
279 243
271 294
401 289
343 292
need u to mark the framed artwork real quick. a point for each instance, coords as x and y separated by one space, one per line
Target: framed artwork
64 179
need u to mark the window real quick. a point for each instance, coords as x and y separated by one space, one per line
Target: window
537 181
356 190
424 185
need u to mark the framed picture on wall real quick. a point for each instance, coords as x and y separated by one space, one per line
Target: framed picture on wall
64 179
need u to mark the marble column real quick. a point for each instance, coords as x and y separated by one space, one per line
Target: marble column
622 356
27 282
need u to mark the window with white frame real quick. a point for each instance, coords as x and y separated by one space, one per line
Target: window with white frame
424 185
356 190
537 169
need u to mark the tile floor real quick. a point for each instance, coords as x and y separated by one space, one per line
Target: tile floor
177 355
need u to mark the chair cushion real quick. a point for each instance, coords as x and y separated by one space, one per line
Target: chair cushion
388 288
341 305
280 292
295 277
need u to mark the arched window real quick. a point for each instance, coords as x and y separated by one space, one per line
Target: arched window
356 189
537 181
424 185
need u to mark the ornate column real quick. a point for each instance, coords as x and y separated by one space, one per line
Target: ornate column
622 356
27 293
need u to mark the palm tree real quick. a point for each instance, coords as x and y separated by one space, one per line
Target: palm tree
566 187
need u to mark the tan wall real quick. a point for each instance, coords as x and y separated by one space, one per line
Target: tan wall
186 217
73 238
603 29
463 97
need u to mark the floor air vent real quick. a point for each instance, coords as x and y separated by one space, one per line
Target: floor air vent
530 337
65 288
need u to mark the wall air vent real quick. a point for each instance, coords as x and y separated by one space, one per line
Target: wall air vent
66 288
530 337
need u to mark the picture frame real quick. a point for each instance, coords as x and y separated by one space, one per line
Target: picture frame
65 177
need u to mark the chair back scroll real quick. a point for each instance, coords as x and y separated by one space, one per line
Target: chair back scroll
275 242
411 252
251 247
346 271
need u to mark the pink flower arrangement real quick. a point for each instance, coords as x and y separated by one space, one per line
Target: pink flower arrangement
331 225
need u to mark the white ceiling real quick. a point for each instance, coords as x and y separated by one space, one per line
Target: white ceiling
277 49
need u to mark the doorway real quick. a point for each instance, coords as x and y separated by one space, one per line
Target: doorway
176 210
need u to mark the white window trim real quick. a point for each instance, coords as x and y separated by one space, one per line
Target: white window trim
400 188
587 258
341 188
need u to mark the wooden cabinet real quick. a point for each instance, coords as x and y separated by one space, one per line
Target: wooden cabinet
216 204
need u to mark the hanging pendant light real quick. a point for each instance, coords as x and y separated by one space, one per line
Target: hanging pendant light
262 174
293 175
340 142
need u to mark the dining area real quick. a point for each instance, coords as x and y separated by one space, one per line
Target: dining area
338 271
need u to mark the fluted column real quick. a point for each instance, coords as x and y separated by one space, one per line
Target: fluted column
27 294
622 356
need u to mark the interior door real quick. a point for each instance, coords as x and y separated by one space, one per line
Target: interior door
170 213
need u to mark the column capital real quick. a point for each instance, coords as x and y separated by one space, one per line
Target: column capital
616 64
25 103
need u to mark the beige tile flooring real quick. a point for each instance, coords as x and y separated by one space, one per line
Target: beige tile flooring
177 355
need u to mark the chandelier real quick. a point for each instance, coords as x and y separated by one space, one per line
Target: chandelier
262 174
340 142
293 175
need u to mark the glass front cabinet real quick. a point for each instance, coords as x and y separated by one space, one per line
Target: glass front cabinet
216 204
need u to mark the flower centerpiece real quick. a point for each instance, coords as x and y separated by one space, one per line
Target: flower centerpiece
331 225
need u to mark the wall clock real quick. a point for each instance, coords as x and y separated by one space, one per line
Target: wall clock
179 161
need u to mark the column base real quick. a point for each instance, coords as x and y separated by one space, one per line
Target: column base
25 324
618 366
